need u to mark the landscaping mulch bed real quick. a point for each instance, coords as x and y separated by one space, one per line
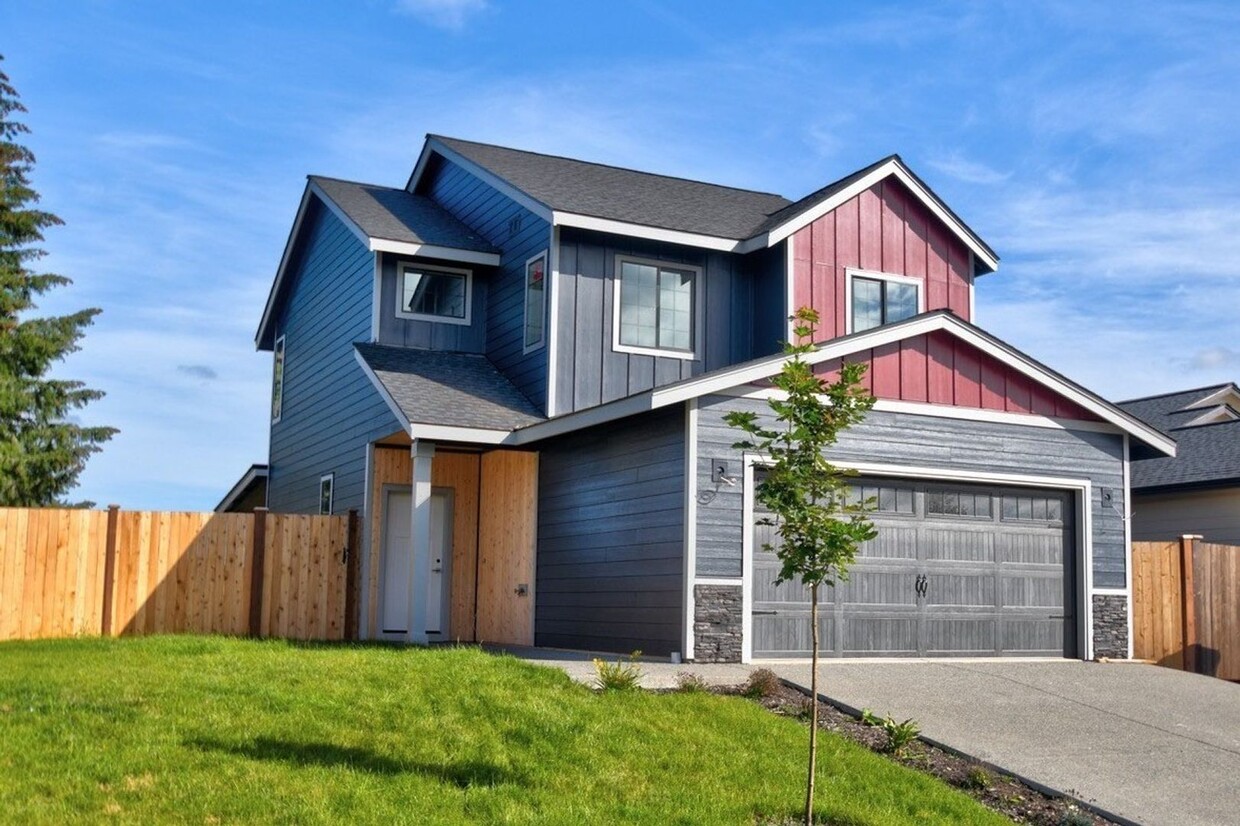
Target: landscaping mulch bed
991 788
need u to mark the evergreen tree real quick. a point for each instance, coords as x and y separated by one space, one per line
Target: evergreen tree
41 451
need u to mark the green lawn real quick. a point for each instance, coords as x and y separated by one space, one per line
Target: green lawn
216 730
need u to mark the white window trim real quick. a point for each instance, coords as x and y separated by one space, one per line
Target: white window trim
850 273
525 302
684 355
279 354
330 479
406 266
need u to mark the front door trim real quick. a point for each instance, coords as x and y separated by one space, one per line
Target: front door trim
1082 488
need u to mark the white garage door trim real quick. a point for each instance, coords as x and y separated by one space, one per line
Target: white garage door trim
1082 488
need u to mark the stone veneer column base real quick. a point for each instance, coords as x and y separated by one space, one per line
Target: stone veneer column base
1111 626
717 627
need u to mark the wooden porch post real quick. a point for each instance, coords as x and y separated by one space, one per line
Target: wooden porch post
1188 603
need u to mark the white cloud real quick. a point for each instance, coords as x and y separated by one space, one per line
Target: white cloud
445 14
971 172
1214 358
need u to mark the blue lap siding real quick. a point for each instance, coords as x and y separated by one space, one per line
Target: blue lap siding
330 409
520 234
611 536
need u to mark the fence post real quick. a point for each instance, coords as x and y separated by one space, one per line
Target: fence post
109 569
256 572
352 572
1188 602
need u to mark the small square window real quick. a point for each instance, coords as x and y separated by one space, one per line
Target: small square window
879 300
326 483
434 294
655 308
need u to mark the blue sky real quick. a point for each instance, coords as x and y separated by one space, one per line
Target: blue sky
1094 145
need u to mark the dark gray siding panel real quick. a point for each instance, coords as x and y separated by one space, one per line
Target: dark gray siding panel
521 235
611 536
330 411
895 438
430 335
589 371
770 286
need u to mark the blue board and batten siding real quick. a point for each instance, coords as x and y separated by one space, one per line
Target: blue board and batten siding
330 410
521 235
431 335
589 371
909 440
611 536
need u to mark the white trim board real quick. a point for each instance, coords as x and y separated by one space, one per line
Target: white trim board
690 538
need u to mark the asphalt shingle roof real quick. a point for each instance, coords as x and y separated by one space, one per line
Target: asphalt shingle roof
628 195
1208 453
397 215
454 389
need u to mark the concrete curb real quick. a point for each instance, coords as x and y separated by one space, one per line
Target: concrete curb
855 713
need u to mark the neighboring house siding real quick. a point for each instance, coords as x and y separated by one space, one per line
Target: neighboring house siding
883 229
430 335
1211 514
330 409
610 536
494 216
588 370
902 439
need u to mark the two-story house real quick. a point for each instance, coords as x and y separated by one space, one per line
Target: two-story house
516 366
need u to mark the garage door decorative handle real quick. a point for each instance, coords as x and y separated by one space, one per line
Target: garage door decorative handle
921 585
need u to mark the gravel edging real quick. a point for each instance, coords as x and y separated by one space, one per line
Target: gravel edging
1019 798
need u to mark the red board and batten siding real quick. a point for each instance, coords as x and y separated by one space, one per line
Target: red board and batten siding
938 368
884 229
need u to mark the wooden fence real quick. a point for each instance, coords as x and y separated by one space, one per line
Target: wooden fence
1186 605
70 572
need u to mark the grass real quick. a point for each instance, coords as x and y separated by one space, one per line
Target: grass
217 730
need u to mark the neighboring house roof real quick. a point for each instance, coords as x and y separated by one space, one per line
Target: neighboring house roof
384 213
1207 438
249 485
571 192
1147 438
628 195
428 388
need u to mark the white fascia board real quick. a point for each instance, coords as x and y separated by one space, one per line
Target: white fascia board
401 418
280 270
892 167
236 490
450 433
419 168
485 175
489 259
1224 396
670 236
600 414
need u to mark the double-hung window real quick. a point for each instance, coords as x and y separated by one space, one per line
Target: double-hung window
656 306
434 294
879 298
535 301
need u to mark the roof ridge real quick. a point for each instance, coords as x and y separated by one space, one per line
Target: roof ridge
1178 393
357 183
612 166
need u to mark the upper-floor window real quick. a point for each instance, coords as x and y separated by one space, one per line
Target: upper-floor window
878 298
535 301
434 294
656 308
277 380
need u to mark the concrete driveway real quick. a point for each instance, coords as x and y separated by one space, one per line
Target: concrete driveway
1149 744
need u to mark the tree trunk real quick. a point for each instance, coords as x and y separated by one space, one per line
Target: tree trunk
813 706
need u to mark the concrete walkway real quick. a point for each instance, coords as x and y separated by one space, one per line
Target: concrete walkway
1152 745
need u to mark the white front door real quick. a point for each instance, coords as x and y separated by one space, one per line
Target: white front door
397 570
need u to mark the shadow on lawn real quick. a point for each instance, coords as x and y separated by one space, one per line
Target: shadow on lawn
462 774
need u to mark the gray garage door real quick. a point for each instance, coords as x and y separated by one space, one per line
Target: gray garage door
998 567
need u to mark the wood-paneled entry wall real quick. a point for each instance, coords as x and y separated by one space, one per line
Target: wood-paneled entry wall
493 538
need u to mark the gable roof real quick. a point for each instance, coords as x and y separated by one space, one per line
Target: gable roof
572 192
386 214
1208 454
431 388
254 477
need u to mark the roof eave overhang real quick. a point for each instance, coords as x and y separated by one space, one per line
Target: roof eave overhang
243 484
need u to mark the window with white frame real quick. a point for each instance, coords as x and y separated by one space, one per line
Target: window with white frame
656 307
535 301
880 298
326 493
434 294
277 380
